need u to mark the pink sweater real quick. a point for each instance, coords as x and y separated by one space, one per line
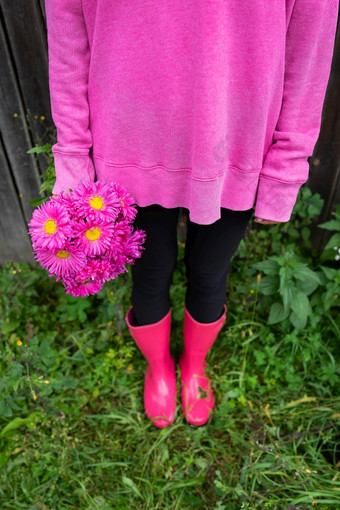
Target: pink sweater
199 104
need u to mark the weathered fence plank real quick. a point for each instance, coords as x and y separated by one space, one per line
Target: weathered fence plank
29 50
15 133
14 240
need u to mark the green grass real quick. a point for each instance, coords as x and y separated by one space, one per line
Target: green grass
82 440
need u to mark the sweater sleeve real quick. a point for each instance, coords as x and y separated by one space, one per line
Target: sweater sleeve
69 57
310 41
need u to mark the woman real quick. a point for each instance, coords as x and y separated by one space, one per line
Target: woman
213 106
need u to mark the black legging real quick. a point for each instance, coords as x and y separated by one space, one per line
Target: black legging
208 251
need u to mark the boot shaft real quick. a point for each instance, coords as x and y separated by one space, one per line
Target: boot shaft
199 337
151 339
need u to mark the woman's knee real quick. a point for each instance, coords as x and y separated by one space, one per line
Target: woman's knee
155 277
208 280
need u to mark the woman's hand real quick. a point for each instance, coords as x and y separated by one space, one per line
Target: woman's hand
265 222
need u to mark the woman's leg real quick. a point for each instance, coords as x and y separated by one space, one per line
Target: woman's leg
149 317
208 251
152 273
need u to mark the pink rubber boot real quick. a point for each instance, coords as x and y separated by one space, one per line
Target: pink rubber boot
198 340
160 377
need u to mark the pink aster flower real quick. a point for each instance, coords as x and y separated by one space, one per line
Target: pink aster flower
96 201
95 270
78 285
127 211
120 232
93 237
117 270
50 226
133 247
61 262
83 289
66 200
84 237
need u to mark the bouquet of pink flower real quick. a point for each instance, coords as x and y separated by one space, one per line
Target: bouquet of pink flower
85 237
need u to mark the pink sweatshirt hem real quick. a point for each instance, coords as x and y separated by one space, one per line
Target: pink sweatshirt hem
238 190
155 184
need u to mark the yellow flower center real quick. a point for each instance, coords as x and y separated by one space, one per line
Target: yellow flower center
50 227
93 234
122 202
63 254
97 203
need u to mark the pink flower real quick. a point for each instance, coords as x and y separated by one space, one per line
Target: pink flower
85 237
61 262
127 211
117 270
83 289
50 226
118 241
63 198
67 201
95 201
133 247
95 270
93 237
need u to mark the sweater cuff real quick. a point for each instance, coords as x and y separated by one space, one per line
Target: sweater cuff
71 167
275 200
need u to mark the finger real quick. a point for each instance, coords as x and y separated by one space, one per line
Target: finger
265 222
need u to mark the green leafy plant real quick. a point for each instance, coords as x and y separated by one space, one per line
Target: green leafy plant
293 286
288 284
48 177
331 251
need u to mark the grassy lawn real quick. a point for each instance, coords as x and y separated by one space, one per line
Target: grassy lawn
73 432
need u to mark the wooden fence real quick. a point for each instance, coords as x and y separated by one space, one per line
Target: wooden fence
25 120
